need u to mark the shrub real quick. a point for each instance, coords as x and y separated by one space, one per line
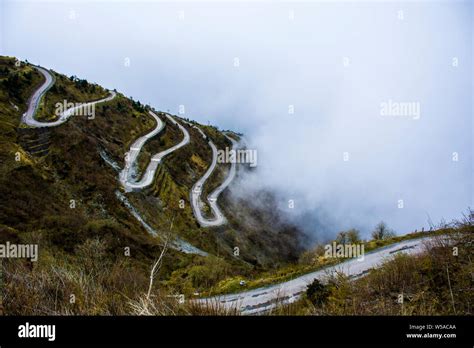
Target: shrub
317 293
382 232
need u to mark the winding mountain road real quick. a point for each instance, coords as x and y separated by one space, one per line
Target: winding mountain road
127 174
128 182
28 118
35 99
212 198
131 156
266 298
177 243
195 195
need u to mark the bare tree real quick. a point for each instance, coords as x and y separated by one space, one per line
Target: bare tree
157 265
382 231
349 236
143 304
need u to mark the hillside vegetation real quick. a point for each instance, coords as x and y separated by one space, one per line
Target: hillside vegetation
58 192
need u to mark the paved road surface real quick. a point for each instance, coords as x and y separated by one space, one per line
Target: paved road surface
35 99
130 159
263 299
212 198
219 218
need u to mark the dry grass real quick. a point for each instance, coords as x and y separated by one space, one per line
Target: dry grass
163 303
90 283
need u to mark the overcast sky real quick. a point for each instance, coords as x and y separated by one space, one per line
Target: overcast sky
247 66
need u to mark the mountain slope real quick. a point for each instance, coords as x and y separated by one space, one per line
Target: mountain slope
64 195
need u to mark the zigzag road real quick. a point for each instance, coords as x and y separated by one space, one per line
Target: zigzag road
28 118
130 159
212 198
126 175
195 194
131 184
35 99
